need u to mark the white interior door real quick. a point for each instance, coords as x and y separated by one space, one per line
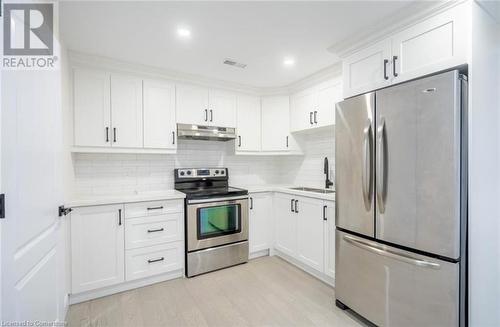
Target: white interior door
33 280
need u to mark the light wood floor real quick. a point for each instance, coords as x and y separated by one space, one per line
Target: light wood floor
264 292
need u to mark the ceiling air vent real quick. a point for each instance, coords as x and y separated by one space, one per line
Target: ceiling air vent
234 63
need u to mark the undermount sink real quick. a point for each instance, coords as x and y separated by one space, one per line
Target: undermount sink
310 189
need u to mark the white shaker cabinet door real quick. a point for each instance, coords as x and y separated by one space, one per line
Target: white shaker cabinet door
310 245
126 112
329 228
97 247
248 124
367 69
159 115
285 224
435 44
276 123
303 106
261 222
222 108
92 111
192 104
329 93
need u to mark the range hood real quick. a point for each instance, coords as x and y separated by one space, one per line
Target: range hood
206 133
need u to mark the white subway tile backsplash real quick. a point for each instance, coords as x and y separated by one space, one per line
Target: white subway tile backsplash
101 174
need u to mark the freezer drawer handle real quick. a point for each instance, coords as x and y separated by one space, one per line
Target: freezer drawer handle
366 177
391 254
381 171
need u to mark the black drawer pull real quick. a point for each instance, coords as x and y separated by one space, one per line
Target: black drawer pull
155 230
156 260
156 208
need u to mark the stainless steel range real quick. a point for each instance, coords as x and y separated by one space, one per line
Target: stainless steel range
216 219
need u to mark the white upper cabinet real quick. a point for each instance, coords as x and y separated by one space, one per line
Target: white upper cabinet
159 115
430 46
248 124
97 247
276 123
433 45
92 111
126 112
367 69
222 108
192 105
199 106
315 107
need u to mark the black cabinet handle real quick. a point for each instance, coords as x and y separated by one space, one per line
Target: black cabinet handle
324 213
385 69
315 117
155 230
156 260
173 137
119 217
239 140
311 118
251 203
211 115
296 209
107 134
206 114
114 135
155 208
394 58
291 205
287 141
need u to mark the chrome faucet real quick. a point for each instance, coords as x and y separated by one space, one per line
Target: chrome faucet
328 182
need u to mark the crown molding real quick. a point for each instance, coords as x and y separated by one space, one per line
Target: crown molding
328 73
114 65
410 15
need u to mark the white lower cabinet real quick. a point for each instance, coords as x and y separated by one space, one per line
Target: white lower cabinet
261 222
97 247
112 244
153 260
305 231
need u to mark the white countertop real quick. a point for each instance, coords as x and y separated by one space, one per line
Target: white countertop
95 200
286 189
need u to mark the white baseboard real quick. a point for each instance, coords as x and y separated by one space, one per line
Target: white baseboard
90 295
319 275
258 254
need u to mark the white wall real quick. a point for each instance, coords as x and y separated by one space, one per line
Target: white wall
125 173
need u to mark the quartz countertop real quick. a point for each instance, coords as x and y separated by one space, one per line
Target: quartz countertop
282 188
94 200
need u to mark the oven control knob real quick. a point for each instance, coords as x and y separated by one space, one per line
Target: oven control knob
189 172
222 172
182 173
216 172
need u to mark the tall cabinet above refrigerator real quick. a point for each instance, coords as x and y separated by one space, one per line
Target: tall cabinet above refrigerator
401 203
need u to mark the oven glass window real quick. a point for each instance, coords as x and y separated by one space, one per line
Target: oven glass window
219 220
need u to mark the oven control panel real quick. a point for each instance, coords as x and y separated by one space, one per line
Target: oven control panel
201 172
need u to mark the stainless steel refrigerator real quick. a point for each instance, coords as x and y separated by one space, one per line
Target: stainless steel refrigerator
401 190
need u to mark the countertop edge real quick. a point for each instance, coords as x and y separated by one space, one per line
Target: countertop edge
123 199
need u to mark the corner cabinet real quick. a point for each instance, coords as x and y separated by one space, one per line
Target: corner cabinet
97 247
248 124
315 107
276 135
260 222
432 45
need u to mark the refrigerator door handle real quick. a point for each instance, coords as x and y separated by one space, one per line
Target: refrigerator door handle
381 173
391 254
366 174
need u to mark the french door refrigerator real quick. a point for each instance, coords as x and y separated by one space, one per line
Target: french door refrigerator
401 203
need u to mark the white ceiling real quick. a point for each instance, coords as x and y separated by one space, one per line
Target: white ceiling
259 34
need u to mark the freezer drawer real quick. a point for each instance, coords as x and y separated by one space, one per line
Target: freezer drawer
391 287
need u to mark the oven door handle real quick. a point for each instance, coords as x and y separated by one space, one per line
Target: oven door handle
231 198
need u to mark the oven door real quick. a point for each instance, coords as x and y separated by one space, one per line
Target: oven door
213 222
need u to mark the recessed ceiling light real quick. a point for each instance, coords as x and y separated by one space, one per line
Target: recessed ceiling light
288 61
183 32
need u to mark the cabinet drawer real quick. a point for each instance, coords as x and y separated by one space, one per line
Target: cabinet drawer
154 208
147 231
153 260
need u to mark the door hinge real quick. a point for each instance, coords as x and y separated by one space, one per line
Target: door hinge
2 206
64 211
